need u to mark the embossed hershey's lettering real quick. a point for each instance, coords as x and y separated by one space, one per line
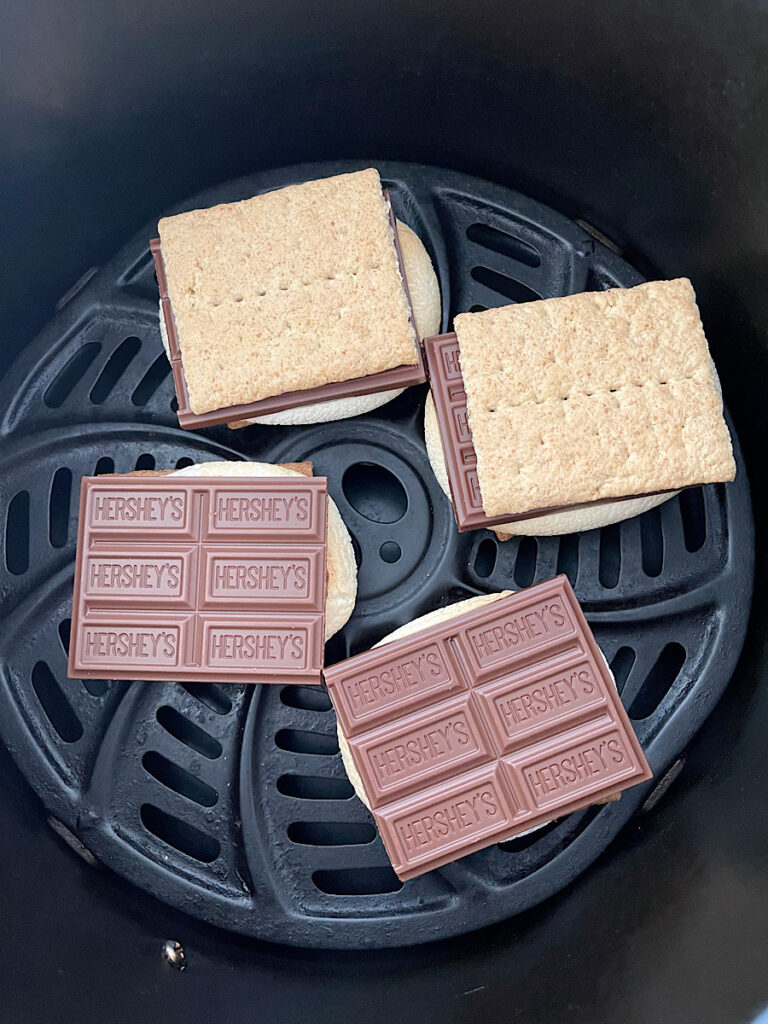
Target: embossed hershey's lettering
473 812
159 509
134 574
255 645
519 630
451 361
406 675
422 748
272 575
546 698
591 762
101 644
461 418
473 485
237 509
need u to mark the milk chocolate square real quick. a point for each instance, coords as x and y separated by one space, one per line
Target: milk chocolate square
200 579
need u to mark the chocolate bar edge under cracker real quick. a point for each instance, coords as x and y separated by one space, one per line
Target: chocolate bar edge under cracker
587 722
468 515
202 542
397 377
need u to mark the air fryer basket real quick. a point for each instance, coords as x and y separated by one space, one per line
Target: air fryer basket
231 802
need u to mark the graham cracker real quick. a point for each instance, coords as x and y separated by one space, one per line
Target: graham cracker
596 395
286 291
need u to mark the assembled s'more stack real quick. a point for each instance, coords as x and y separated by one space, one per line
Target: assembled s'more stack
576 412
287 301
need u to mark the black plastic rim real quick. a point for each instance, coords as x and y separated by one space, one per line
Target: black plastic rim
231 802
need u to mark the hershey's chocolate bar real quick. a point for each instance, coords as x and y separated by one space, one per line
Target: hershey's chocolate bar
200 579
487 725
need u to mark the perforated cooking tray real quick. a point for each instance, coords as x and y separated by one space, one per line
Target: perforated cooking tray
231 802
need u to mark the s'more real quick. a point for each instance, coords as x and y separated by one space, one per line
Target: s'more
222 571
293 306
572 413
481 721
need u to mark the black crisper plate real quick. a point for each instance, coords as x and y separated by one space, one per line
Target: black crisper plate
231 801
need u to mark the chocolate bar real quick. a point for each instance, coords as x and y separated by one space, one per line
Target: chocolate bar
386 380
447 386
200 579
470 732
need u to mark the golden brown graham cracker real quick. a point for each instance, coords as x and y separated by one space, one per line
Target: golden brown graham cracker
286 291
596 395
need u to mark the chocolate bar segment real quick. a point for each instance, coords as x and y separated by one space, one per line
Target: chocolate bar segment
397 377
197 579
482 727
447 386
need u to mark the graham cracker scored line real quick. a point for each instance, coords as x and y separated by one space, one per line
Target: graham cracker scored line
293 285
599 392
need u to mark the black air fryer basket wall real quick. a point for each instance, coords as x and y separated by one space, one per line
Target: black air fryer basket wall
644 124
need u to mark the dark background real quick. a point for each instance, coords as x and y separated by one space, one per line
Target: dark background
647 119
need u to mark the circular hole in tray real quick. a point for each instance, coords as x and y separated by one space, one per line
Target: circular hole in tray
374 492
390 552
